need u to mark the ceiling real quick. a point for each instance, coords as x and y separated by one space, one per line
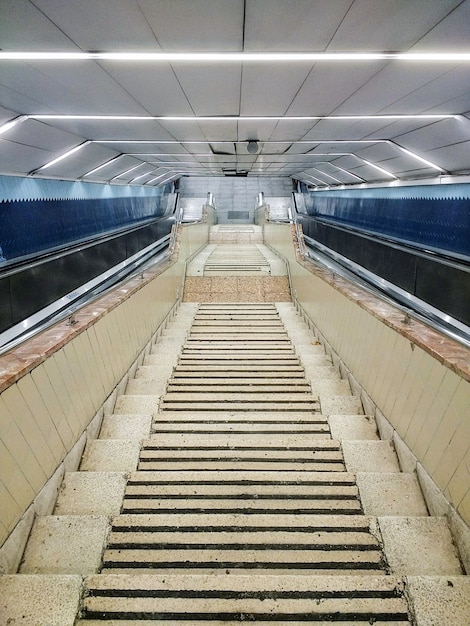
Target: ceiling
178 117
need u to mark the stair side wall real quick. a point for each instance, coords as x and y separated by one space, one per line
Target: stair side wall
424 397
59 384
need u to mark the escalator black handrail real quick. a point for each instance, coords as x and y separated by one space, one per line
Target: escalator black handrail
75 300
457 260
409 304
20 264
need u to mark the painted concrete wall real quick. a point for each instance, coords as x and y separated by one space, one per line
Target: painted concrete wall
235 197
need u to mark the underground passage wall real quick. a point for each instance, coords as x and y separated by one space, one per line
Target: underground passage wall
416 238
55 388
413 378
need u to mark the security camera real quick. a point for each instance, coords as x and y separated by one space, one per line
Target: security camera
252 146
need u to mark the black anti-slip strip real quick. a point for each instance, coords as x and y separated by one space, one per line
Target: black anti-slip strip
240 529
325 565
241 496
282 618
133 545
262 594
244 483
332 448
247 511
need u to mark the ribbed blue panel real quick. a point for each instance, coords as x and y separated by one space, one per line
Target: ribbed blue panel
434 216
56 213
20 188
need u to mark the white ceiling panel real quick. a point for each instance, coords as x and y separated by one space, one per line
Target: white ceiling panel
455 158
329 85
211 89
40 93
15 101
451 33
100 24
154 87
443 92
213 131
6 115
292 25
388 86
443 133
21 22
110 129
183 131
234 89
259 130
16 158
36 134
86 89
390 25
201 25
270 90
291 130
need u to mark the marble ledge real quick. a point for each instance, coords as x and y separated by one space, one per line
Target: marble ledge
24 358
444 349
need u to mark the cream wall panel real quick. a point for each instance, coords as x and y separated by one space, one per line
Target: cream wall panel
24 435
11 510
43 415
68 419
427 403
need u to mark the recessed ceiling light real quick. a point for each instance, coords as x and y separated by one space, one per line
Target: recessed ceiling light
103 165
62 157
416 156
237 118
377 167
128 171
210 57
12 123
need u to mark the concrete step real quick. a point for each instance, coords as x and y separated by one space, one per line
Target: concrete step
247 385
183 599
228 417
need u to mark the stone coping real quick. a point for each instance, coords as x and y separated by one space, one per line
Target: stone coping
445 349
23 359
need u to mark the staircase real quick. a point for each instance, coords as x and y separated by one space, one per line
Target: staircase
241 495
238 480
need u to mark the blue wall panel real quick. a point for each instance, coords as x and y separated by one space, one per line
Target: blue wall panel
428 216
39 215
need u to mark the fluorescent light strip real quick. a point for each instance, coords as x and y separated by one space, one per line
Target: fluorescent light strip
209 57
416 156
128 171
167 180
170 154
377 167
208 143
348 172
299 142
157 177
103 165
237 118
141 176
323 182
328 175
61 157
12 123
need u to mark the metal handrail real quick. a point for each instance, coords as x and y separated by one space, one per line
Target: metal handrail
69 304
411 306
